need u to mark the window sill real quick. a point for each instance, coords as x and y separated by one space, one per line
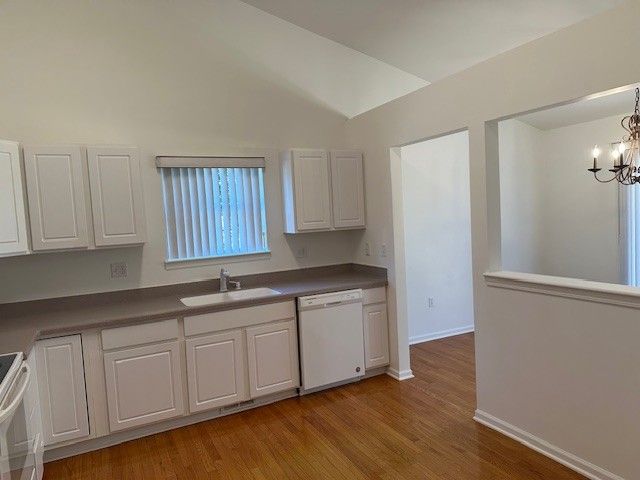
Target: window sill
208 261
598 292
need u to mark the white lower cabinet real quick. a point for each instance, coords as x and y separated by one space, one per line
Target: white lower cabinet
216 370
376 335
63 400
231 356
144 385
273 358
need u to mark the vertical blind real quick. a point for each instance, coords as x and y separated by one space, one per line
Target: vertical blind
630 233
214 212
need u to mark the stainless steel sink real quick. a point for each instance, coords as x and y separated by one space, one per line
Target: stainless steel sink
232 296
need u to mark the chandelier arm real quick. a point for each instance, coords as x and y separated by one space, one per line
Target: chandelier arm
595 175
627 172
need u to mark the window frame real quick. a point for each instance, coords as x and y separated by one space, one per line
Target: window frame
178 161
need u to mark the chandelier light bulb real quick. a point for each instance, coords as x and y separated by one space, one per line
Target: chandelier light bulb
596 152
622 147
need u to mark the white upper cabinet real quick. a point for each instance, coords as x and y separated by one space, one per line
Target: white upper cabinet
13 222
347 182
116 196
306 191
57 203
322 195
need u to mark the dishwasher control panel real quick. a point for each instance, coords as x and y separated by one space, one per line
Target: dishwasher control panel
329 299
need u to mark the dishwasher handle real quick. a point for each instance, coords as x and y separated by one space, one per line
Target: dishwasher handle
336 303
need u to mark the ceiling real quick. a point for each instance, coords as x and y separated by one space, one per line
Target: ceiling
433 38
619 103
320 70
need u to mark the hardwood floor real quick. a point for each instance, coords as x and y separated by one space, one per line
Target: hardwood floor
375 429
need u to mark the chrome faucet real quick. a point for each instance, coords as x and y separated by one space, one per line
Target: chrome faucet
225 280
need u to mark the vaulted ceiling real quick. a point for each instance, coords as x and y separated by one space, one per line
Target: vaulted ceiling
433 38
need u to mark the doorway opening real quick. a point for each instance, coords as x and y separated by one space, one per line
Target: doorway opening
435 245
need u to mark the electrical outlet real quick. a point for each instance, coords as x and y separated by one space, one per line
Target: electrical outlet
383 250
367 249
301 252
119 270
430 302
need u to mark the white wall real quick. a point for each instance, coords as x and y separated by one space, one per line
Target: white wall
520 196
556 219
437 236
170 78
561 369
580 215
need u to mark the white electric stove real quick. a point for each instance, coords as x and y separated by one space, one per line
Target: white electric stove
20 432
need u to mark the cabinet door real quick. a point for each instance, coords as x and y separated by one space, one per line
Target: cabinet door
13 222
216 371
116 196
311 190
376 335
57 204
63 397
273 358
144 385
347 182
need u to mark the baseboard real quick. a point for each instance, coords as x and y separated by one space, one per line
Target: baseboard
567 459
441 334
83 446
373 372
400 375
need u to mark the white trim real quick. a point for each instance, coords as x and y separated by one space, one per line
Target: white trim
220 260
209 162
452 332
567 459
400 376
397 293
598 292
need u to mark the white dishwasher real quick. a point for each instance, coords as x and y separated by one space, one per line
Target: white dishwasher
331 339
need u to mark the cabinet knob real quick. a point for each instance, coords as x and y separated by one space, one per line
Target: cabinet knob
357 369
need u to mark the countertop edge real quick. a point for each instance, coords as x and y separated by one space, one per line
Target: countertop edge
40 333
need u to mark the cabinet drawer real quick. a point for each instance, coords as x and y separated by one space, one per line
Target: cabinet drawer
374 295
241 317
139 334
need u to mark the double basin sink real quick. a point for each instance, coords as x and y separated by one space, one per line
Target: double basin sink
231 296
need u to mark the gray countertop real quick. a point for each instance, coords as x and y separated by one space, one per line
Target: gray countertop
21 324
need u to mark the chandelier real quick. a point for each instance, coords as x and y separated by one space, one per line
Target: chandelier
626 153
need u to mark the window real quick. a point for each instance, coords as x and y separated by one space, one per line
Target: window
630 233
214 207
